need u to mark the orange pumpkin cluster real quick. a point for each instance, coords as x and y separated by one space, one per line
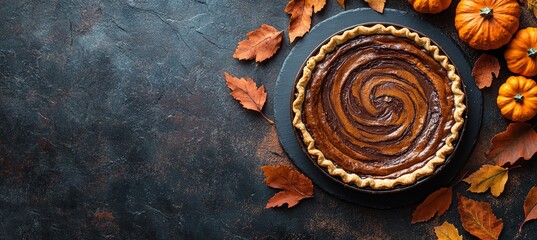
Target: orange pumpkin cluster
491 24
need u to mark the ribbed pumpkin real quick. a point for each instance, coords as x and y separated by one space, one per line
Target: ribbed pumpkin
517 98
521 53
487 24
430 6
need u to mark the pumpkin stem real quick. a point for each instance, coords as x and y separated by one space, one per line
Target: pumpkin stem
519 98
532 52
486 12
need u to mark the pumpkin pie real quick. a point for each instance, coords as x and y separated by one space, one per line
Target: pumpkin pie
379 106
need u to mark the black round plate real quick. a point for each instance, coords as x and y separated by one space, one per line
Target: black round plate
402 195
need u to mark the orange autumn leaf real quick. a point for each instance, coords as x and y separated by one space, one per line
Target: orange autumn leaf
295 185
488 176
261 44
530 207
485 66
447 231
301 12
246 92
436 203
518 141
377 5
478 219
341 3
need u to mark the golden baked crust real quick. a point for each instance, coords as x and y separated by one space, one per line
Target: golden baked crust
368 181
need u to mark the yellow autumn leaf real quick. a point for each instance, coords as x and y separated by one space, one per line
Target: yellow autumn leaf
532 5
488 176
447 231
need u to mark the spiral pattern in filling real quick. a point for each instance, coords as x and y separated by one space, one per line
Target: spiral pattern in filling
379 106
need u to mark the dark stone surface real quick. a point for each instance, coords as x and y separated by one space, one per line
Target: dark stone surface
115 122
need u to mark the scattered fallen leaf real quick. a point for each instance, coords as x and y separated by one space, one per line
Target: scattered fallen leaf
246 92
532 5
261 44
485 66
295 185
478 219
341 3
488 176
377 5
436 203
530 207
518 141
317 5
301 12
447 231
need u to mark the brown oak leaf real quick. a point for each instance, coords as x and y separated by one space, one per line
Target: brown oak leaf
437 202
518 141
485 66
301 12
447 231
246 92
261 44
478 219
341 3
488 176
530 207
377 5
294 184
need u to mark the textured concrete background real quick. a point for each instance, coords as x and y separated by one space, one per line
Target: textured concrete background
115 122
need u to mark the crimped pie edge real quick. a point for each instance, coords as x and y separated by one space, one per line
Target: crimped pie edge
353 178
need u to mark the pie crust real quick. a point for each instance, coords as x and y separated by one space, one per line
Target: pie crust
405 177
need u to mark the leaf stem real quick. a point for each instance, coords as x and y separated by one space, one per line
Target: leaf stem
514 167
266 118
459 180
301 193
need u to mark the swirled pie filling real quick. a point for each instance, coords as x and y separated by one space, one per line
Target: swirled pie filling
380 108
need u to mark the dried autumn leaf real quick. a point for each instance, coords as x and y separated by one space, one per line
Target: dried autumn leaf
377 5
488 176
478 219
317 5
518 141
532 5
530 207
341 3
485 66
246 92
436 203
261 44
295 185
447 231
301 12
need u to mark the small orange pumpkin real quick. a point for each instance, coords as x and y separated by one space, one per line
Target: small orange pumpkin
430 6
521 53
517 98
487 24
